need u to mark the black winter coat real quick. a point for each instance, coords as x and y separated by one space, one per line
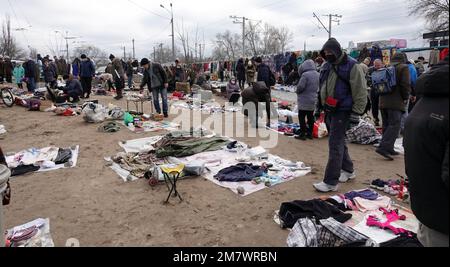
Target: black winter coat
427 149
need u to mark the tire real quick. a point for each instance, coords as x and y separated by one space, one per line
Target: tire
7 97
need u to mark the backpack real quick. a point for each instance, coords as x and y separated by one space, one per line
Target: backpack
384 80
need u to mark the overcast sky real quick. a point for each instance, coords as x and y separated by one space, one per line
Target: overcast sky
112 24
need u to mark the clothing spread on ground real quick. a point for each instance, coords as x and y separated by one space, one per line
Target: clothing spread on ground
32 234
356 214
42 160
225 162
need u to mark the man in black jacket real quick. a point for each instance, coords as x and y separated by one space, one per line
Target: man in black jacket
426 143
156 80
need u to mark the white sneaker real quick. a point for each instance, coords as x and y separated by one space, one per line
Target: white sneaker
346 176
325 188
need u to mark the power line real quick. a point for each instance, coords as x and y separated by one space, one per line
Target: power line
148 10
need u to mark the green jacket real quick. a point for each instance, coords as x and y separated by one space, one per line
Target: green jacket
358 85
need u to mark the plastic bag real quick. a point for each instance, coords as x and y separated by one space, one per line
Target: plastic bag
128 118
320 128
94 113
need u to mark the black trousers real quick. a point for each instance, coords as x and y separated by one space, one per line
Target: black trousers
306 128
375 99
86 83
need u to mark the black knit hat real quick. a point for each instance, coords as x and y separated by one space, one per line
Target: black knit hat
258 60
111 57
145 61
83 56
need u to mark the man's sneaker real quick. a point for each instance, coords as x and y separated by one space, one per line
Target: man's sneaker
384 154
346 176
325 188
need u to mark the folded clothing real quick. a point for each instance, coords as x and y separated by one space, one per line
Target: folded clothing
365 205
291 212
240 173
23 169
366 194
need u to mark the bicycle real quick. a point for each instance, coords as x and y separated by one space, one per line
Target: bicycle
7 96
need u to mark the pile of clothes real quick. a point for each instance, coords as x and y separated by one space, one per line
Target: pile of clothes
330 221
364 134
45 159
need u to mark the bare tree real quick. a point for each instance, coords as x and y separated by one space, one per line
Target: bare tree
285 36
228 43
253 38
8 45
435 12
96 54
33 52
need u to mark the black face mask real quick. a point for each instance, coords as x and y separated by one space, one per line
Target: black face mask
331 58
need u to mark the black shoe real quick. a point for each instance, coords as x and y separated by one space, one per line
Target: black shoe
394 153
118 97
166 115
384 154
310 137
301 137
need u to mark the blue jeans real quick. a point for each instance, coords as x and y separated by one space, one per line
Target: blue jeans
339 158
31 84
163 93
130 81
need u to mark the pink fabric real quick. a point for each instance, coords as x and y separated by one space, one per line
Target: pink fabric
365 205
392 216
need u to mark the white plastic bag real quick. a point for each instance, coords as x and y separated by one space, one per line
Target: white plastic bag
94 113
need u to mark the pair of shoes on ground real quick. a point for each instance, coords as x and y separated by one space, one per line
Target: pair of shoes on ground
387 155
326 188
390 187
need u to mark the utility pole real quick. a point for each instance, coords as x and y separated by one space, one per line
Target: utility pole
154 54
331 20
67 38
173 29
134 51
162 52
236 21
124 52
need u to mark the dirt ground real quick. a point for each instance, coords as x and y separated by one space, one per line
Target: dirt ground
90 203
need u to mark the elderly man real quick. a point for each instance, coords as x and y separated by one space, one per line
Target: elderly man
155 78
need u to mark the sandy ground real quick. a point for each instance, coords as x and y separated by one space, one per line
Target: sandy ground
92 204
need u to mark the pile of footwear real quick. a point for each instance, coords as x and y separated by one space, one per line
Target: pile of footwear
391 187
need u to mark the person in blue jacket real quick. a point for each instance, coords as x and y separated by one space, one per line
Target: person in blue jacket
87 73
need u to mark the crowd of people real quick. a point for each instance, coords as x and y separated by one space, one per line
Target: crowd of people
410 102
